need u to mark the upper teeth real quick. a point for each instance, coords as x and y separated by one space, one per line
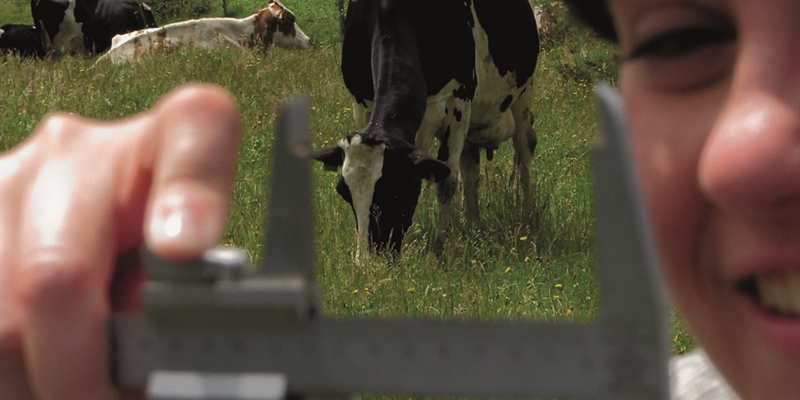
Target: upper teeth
780 291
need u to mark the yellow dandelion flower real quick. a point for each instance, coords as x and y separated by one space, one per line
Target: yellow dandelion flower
559 286
555 297
444 294
527 258
523 238
508 269
410 290
355 290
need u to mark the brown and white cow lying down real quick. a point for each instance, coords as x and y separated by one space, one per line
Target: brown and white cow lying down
272 25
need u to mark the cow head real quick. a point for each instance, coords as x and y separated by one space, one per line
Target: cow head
275 24
381 178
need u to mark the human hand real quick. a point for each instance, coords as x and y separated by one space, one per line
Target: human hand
75 196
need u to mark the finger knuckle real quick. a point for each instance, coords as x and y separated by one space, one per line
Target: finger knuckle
59 129
54 281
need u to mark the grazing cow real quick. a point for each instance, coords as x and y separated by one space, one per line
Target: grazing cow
79 26
457 70
22 40
274 24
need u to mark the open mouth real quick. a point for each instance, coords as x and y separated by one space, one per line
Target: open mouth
778 293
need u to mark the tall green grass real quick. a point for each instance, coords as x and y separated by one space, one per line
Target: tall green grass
15 12
512 263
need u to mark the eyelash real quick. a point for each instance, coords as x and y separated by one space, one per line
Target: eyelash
682 41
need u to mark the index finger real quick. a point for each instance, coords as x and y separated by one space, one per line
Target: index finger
193 162
180 160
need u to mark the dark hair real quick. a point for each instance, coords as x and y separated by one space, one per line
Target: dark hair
594 13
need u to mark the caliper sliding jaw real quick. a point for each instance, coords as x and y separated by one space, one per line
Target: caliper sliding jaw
217 329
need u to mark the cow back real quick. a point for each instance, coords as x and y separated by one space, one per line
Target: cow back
115 17
441 32
502 20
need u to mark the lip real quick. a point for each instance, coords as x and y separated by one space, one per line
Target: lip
781 333
759 255
772 258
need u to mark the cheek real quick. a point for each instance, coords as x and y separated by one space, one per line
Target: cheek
667 148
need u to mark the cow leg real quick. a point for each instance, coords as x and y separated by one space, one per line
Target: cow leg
429 129
46 43
362 113
457 126
435 117
524 141
470 179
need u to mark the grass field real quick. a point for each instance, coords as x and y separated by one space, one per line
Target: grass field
501 267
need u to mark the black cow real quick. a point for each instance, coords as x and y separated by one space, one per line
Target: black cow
22 40
78 26
458 70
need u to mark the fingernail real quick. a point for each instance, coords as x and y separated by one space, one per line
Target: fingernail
175 227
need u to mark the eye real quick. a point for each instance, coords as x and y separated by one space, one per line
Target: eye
679 42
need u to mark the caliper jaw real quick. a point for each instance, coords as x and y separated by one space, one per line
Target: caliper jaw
216 329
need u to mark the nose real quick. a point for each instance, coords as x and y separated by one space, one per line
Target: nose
751 160
302 39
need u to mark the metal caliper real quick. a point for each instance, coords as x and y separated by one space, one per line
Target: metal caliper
216 328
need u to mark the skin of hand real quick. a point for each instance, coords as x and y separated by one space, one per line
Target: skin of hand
75 197
712 90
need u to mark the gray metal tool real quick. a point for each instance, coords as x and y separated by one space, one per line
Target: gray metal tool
218 330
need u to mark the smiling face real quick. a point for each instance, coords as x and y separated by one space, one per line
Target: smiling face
712 90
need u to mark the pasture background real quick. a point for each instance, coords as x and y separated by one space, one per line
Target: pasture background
511 264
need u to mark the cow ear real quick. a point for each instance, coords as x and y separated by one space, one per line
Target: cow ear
428 167
331 157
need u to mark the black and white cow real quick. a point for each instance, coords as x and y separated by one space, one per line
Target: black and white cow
79 26
457 70
22 40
